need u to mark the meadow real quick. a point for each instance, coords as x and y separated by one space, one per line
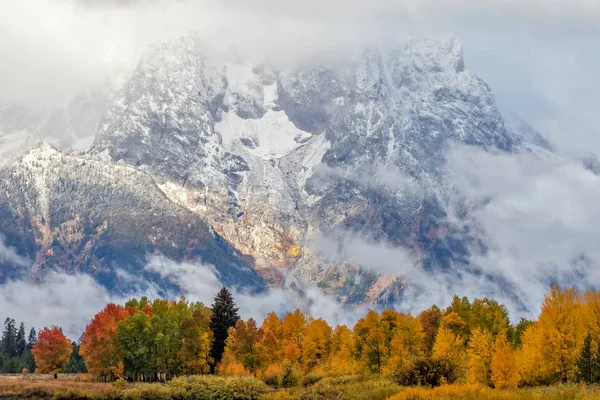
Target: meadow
356 387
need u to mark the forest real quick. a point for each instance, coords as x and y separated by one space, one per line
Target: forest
468 347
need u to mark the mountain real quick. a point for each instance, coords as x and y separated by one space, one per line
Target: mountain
275 159
79 215
71 126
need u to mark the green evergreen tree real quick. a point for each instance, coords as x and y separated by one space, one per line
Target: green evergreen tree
586 370
76 364
28 361
9 338
224 316
31 339
21 343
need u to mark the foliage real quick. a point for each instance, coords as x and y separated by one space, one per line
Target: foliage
505 371
52 351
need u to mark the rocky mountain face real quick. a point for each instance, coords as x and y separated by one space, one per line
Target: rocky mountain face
275 158
76 214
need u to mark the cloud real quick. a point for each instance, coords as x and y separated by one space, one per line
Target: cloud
10 255
199 282
69 301
381 257
533 213
52 48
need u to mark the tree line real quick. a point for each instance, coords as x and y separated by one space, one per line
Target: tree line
468 341
17 355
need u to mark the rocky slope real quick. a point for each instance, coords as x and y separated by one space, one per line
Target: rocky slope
76 214
272 158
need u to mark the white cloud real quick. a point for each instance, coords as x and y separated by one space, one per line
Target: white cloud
69 301
199 282
10 255
534 214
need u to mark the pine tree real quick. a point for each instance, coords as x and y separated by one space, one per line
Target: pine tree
224 316
31 339
9 338
21 344
585 371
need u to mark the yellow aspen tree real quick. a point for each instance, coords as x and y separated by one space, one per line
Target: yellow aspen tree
505 371
591 300
271 343
230 365
342 360
480 353
562 324
410 331
449 347
390 320
316 344
531 366
371 341
399 360
293 328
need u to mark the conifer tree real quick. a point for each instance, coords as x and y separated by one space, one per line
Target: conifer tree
9 338
31 339
21 343
586 369
224 316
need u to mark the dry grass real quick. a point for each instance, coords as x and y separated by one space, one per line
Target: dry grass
43 386
35 387
478 392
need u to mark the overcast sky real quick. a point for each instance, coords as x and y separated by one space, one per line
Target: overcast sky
539 56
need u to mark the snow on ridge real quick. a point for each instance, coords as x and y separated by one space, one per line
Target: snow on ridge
272 136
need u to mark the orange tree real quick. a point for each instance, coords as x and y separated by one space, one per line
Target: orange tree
52 351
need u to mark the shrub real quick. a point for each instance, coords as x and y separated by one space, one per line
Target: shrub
271 375
357 387
148 391
217 388
312 378
288 376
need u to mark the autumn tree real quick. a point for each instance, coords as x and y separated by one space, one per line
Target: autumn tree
480 353
342 359
449 348
316 343
99 344
294 327
505 371
224 316
552 345
430 320
52 351
271 342
197 338
371 341
243 346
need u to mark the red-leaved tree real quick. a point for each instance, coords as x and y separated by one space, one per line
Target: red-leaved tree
99 344
52 351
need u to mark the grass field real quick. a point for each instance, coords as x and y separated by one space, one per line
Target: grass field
71 387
